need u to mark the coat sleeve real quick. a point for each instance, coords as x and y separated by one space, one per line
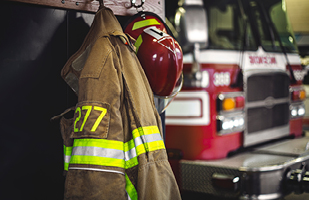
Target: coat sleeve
96 167
152 178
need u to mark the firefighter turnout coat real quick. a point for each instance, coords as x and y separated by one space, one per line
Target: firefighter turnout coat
113 145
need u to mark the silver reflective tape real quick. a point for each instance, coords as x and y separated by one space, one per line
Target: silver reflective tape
99 170
130 154
147 138
99 152
67 159
138 141
152 137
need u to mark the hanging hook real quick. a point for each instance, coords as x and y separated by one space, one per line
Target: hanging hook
133 2
101 2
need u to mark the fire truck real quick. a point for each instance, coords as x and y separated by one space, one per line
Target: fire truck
235 128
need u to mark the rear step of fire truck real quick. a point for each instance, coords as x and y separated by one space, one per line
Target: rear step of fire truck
268 172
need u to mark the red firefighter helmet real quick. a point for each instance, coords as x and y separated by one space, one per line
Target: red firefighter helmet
160 56
138 22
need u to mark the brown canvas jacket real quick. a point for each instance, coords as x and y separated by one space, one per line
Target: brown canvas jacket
118 151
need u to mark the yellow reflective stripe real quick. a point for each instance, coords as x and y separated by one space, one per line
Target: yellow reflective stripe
138 42
132 159
67 151
143 132
102 143
131 163
147 130
130 189
129 145
95 160
150 130
135 133
108 152
140 149
156 145
147 22
98 160
66 166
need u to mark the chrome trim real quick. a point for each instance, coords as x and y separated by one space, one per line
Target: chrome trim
296 88
267 134
264 168
275 167
230 114
261 197
224 95
230 165
269 102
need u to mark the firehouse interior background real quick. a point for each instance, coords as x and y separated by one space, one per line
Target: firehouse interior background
35 43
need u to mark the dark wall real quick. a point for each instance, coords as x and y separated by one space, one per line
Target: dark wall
35 43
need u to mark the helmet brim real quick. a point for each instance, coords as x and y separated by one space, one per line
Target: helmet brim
162 102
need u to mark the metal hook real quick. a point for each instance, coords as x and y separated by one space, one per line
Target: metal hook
137 6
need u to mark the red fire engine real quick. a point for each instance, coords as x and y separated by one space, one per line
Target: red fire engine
235 129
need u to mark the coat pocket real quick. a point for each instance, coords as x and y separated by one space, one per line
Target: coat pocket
91 120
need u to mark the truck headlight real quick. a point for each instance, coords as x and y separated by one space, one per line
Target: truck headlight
297 110
233 122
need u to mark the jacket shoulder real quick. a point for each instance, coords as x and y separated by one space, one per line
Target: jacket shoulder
96 60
